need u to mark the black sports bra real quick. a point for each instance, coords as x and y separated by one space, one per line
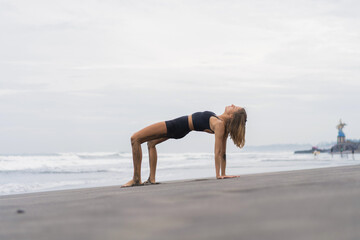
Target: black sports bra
201 120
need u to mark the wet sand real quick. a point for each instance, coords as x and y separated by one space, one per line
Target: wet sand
305 204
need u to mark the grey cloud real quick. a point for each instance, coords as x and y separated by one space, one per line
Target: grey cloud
83 77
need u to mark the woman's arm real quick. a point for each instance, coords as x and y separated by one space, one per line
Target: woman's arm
220 152
219 149
223 160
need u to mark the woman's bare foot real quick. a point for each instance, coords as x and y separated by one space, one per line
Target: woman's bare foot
148 182
132 183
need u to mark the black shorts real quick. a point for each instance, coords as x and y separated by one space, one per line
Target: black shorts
178 127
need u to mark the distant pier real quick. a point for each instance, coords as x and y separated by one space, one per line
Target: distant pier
342 145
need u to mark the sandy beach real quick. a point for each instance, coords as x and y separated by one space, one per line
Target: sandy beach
304 204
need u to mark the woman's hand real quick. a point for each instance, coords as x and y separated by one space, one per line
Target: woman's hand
227 176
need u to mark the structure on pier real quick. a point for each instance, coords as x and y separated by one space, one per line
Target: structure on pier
341 134
342 144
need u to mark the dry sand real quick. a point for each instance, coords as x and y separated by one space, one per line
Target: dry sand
305 204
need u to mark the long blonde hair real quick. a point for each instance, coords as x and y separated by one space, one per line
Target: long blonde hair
235 127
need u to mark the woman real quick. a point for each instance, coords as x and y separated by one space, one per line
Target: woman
232 122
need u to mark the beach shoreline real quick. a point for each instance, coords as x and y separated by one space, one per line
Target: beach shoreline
34 173
301 204
167 182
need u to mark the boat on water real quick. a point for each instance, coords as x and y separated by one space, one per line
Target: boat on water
312 151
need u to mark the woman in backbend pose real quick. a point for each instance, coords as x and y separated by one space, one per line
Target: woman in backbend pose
232 122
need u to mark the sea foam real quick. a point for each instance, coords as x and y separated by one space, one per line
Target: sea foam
34 173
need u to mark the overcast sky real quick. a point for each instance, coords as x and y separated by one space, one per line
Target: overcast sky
81 76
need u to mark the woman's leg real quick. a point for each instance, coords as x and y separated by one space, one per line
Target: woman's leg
153 157
154 131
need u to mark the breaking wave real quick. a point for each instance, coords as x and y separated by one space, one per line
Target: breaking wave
43 172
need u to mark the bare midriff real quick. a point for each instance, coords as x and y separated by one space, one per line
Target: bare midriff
191 126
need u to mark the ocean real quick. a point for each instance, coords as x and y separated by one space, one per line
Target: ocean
47 172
